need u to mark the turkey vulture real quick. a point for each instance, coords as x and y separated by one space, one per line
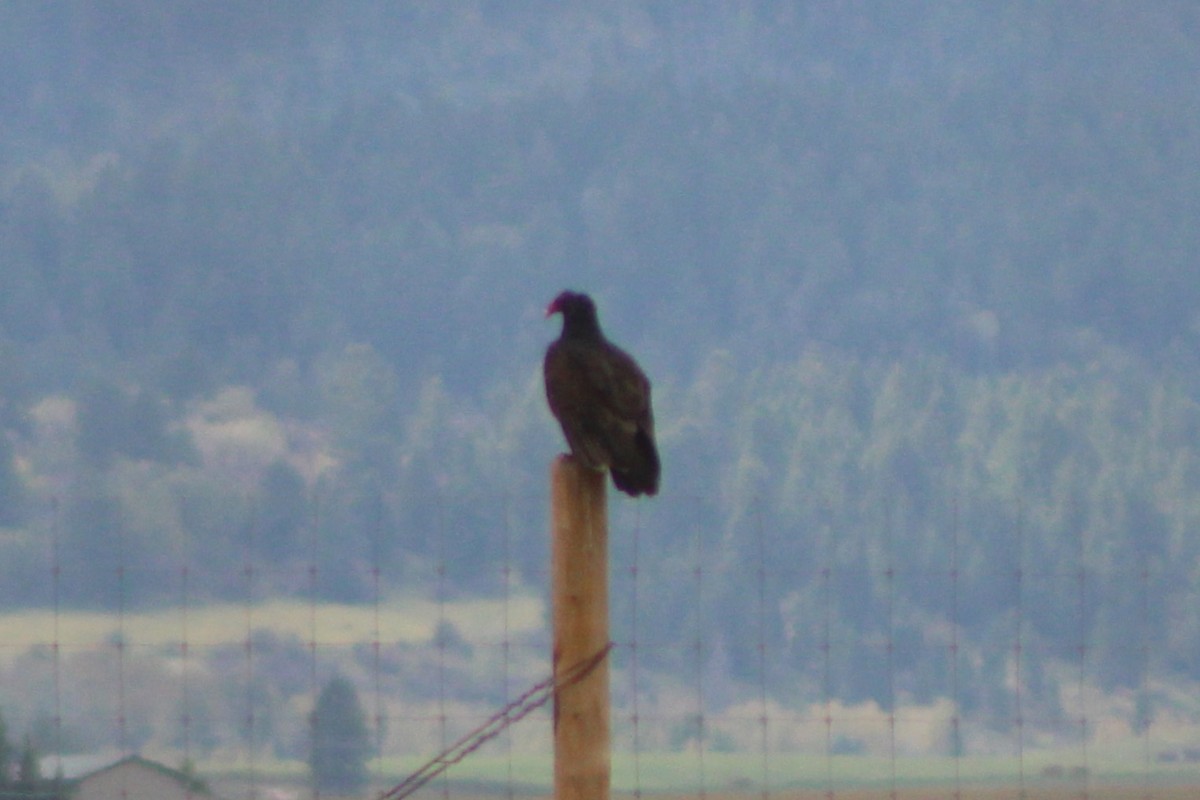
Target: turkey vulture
601 398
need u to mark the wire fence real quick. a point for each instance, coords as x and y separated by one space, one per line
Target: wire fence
732 670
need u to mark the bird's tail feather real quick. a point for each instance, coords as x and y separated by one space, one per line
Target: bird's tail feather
640 477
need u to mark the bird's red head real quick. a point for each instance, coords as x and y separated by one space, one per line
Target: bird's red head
566 303
579 315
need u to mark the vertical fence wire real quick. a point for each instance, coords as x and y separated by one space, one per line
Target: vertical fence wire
506 578
1018 650
248 574
634 644
185 694
56 523
889 575
1141 711
440 643
761 645
377 721
313 678
119 646
826 672
119 643
1082 649
956 747
698 652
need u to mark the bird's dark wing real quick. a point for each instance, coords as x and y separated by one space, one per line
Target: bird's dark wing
602 400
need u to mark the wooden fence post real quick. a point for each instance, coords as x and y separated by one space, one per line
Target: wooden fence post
579 596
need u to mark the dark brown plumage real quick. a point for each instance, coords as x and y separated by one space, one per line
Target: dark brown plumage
601 398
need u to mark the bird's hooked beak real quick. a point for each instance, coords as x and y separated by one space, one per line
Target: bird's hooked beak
553 308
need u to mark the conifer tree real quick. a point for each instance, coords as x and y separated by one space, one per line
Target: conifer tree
341 741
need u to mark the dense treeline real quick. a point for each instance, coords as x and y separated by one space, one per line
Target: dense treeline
913 284
896 475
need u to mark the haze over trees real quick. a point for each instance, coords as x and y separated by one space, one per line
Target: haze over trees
916 286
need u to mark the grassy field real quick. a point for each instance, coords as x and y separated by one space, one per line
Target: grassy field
927 793
1039 792
739 773
399 620
1034 791
668 776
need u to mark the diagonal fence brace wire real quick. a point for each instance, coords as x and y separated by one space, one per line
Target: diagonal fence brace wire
534 698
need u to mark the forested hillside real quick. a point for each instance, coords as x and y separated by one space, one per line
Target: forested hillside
912 283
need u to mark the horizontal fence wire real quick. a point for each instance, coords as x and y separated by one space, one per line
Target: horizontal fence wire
831 677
